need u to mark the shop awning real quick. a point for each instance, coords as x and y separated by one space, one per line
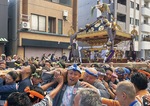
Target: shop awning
3 40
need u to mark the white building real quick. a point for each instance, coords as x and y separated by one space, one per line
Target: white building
145 29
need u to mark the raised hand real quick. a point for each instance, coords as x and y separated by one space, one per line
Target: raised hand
60 79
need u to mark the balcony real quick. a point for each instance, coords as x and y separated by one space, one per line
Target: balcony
146 11
146 37
145 28
145 45
121 8
122 25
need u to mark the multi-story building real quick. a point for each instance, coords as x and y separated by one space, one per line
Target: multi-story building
145 29
128 14
41 26
3 25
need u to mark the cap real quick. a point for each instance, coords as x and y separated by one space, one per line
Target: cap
127 71
101 71
74 67
120 71
114 75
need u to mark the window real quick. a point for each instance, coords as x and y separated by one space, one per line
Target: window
38 23
132 21
63 2
123 2
137 6
60 25
51 25
131 4
137 22
121 17
42 23
34 22
146 4
55 1
145 20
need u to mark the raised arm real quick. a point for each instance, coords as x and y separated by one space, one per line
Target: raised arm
46 86
60 80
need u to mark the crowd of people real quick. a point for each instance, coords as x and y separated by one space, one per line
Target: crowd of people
53 82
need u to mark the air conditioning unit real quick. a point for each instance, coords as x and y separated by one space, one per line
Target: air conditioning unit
25 25
65 13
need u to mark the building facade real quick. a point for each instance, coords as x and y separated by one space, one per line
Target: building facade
129 14
40 27
145 29
3 25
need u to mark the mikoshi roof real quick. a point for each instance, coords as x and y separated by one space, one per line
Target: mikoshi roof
101 37
96 33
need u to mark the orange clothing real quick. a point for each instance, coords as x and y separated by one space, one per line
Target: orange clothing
110 102
140 94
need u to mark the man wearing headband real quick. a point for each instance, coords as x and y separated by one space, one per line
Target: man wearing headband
47 101
36 78
91 76
67 93
35 93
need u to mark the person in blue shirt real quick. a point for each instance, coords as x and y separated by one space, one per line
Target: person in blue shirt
8 85
25 77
